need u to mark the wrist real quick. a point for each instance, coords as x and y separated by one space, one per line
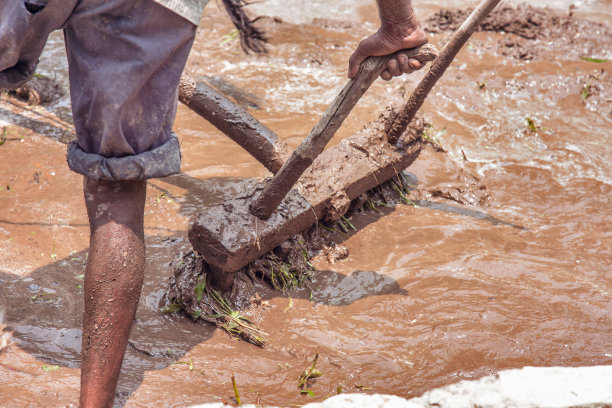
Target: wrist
399 28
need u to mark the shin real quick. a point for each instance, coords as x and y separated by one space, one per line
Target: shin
113 281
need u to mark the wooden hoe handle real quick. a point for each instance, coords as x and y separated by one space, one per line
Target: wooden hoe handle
277 188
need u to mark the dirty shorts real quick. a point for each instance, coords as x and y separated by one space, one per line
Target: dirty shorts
125 62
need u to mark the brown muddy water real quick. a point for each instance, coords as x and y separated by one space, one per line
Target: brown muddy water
429 295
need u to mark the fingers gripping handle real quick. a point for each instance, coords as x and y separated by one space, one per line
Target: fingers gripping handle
278 187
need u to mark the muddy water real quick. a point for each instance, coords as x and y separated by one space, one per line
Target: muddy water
428 296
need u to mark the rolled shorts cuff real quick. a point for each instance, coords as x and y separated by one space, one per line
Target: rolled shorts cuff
161 161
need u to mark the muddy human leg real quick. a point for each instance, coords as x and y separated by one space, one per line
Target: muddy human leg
125 60
113 282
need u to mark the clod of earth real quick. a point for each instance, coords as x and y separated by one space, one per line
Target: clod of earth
529 30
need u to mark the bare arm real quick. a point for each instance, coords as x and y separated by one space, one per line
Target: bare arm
399 29
394 10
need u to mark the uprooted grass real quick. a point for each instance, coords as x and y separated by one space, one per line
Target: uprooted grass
287 267
191 292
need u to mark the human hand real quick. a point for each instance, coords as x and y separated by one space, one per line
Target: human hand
24 28
14 77
391 37
15 68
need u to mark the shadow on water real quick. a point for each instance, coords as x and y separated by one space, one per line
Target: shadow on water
335 289
63 224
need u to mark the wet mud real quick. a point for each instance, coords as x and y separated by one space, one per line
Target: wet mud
458 287
530 29
195 292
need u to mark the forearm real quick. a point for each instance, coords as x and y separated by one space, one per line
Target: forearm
393 11
397 17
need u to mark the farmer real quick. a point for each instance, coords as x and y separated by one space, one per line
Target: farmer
125 61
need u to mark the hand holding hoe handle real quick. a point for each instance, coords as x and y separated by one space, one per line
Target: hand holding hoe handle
315 142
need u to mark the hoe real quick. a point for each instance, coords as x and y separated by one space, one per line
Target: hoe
310 183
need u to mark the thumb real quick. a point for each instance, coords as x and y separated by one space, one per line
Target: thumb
356 59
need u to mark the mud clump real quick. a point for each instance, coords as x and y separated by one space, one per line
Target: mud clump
285 268
525 21
190 291
469 190
531 30
336 253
